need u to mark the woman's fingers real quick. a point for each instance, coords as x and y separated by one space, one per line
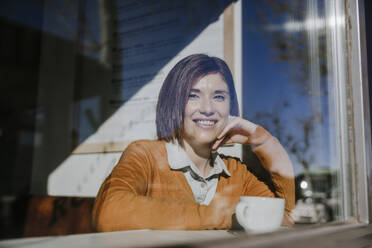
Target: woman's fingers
237 130
221 142
250 127
217 144
224 137
231 124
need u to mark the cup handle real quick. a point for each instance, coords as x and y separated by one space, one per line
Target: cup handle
240 210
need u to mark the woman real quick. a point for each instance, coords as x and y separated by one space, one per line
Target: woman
180 181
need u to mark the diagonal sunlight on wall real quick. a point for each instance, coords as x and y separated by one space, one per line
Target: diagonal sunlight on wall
82 172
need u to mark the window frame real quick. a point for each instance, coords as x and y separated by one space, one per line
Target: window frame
358 80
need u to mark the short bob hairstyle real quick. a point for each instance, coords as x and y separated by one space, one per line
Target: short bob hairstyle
173 95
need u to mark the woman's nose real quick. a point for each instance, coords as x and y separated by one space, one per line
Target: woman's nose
206 107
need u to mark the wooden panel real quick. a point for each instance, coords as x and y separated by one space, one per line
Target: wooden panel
101 147
228 34
49 215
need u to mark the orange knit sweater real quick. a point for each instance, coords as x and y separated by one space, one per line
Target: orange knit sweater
142 192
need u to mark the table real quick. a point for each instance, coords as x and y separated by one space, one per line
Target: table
135 238
333 235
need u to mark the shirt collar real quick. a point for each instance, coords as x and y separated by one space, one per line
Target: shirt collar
178 159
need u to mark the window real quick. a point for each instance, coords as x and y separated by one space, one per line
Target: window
83 78
296 84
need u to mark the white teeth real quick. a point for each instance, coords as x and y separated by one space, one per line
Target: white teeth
204 122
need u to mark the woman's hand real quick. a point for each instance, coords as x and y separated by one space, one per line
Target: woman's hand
237 130
273 156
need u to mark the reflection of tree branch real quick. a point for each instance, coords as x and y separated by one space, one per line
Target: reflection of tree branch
291 47
299 143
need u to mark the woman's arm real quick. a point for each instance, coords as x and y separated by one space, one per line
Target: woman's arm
122 204
275 160
271 153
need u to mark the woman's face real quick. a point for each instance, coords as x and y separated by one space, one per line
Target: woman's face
207 110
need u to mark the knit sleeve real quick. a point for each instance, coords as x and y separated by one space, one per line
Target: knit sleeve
122 203
275 160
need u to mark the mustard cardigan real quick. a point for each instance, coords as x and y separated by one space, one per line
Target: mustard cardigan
142 192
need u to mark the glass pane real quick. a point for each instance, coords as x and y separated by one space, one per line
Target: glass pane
80 81
292 83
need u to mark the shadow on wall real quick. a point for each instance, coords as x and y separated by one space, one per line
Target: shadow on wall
79 89
47 75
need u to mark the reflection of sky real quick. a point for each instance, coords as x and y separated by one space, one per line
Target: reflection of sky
267 84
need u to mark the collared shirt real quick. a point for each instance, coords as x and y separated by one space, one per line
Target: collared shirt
203 188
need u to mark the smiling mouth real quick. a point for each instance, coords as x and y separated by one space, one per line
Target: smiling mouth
205 123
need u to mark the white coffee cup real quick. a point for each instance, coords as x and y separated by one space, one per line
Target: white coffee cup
260 214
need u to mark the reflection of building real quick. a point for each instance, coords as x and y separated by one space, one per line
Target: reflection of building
315 196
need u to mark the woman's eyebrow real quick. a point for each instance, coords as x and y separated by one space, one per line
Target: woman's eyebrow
216 91
195 90
221 92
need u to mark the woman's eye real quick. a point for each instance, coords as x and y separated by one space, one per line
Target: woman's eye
219 97
193 96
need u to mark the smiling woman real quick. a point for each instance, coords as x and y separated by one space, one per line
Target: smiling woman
179 88
180 181
207 111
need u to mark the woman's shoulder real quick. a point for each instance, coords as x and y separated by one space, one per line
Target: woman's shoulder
143 148
146 142
145 145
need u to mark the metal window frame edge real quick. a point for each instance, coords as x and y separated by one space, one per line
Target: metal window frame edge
360 109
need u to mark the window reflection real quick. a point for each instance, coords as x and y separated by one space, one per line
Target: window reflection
288 87
292 67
